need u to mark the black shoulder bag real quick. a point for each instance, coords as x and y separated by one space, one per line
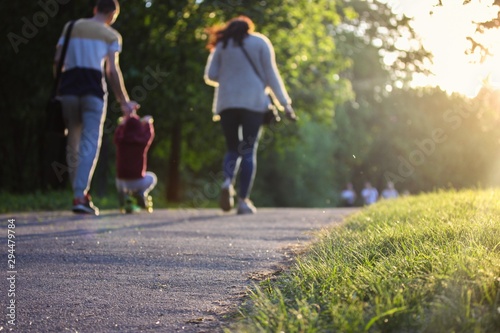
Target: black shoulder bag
271 115
55 121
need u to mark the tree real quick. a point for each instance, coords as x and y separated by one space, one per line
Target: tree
370 38
328 154
31 32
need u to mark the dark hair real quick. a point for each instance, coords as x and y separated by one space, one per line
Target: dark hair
107 6
237 28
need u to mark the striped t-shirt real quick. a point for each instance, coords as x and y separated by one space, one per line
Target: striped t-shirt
90 43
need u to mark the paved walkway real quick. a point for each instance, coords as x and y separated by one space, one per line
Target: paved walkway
169 271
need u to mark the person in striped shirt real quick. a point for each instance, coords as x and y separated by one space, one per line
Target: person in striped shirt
92 55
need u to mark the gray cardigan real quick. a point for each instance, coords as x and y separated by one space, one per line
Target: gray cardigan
237 84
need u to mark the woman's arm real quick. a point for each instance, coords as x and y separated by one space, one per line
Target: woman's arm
272 75
274 80
212 68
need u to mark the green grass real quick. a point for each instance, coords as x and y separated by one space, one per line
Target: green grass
58 200
62 200
428 263
37 201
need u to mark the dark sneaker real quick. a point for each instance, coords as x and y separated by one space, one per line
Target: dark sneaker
246 207
226 200
144 201
84 205
131 205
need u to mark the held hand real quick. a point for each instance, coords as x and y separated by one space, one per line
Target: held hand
129 107
290 114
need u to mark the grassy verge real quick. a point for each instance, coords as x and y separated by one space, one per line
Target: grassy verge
37 201
428 263
62 200
54 201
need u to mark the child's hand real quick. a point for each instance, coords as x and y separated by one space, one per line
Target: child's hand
129 107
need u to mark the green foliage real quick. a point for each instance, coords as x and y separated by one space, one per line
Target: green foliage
377 27
421 140
30 34
62 201
36 201
302 173
418 264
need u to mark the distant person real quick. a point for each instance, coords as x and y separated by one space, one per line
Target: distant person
389 192
92 52
241 101
348 196
133 137
369 194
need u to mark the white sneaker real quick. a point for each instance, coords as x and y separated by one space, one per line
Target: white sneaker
245 206
226 200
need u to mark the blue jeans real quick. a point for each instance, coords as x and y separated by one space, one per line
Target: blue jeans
142 185
242 130
84 116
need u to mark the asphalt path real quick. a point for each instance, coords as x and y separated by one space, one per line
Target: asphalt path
169 271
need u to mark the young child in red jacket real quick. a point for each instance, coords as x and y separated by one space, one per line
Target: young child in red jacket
133 137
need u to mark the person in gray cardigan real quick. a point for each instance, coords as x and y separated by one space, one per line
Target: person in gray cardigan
241 100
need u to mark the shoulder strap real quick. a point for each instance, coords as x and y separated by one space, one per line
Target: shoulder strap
61 59
251 63
258 75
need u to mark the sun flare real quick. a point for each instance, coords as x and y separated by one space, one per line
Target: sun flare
444 31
